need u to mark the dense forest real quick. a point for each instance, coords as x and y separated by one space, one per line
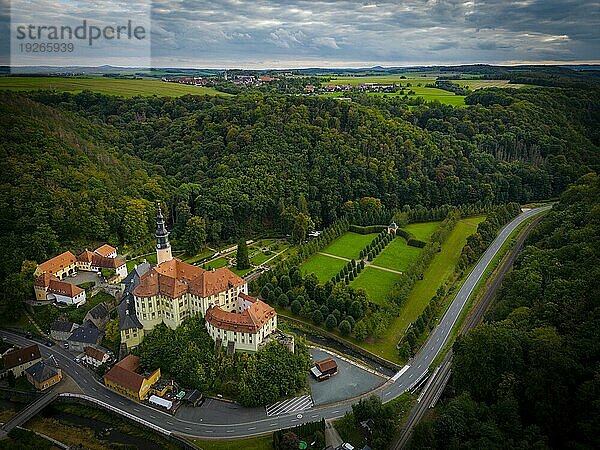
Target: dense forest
78 169
536 358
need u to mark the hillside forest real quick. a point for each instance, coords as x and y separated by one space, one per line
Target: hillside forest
78 169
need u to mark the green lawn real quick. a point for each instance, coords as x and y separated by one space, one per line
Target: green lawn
376 282
349 245
259 257
203 254
324 267
422 230
110 86
217 263
440 269
253 443
397 255
151 258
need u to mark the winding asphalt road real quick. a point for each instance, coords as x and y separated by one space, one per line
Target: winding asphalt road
223 423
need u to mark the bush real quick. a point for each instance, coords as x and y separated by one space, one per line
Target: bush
345 327
296 307
331 322
317 317
283 301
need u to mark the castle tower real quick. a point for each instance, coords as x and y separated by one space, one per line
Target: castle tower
163 247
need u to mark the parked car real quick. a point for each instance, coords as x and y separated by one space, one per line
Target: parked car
49 343
66 345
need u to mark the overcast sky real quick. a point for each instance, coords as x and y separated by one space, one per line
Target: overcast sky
347 33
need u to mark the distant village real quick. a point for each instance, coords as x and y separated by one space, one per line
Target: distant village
247 81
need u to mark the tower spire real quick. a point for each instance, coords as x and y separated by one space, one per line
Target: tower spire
163 247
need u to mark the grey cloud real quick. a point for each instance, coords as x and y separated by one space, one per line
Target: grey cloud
347 32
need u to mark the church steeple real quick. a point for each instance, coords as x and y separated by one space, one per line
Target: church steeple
163 247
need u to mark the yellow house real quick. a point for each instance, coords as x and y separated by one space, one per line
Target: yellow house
60 266
125 379
44 375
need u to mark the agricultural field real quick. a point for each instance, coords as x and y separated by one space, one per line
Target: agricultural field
376 282
384 79
428 94
349 245
480 84
109 86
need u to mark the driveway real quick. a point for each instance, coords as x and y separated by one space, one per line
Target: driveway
350 381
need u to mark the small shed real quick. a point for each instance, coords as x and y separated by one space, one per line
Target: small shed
324 369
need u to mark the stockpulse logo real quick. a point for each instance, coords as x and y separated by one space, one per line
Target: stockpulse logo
72 34
83 32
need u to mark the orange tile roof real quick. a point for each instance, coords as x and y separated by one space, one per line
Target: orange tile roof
100 261
105 250
175 278
63 288
250 320
56 264
85 256
44 279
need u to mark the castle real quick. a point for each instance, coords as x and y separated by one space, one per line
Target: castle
172 290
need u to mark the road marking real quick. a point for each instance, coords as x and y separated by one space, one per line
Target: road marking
107 396
291 405
273 425
209 431
230 431
136 410
251 428
336 411
387 393
187 428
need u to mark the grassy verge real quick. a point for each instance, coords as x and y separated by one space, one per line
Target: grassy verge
439 271
264 442
487 277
